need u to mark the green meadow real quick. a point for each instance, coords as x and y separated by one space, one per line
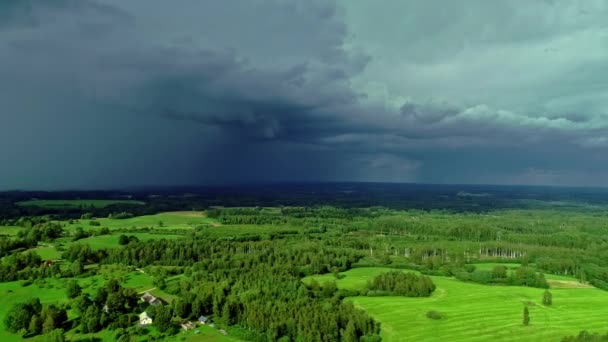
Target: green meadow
170 225
76 203
10 231
111 241
169 220
12 293
473 312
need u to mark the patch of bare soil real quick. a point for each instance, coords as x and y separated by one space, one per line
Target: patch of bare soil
567 284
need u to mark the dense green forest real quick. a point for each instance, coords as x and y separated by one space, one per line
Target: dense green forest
242 265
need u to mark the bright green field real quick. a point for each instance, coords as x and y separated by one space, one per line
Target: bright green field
111 241
170 220
75 203
97 242
47 252
474 312
12 293
10 230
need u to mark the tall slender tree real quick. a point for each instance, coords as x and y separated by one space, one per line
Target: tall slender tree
547 298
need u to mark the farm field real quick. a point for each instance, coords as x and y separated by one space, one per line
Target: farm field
474 312
76 203
168 220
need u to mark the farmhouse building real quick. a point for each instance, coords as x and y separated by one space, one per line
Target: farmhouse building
150 299
187 325
144 319
203 320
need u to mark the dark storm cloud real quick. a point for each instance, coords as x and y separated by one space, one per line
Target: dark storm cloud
157 92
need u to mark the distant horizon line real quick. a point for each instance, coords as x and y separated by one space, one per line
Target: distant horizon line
127 188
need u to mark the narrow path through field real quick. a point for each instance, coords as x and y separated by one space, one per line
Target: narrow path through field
142 292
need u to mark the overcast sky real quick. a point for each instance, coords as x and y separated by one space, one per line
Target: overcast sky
110 93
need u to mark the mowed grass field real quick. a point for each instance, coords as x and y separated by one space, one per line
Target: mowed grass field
474 312
76 203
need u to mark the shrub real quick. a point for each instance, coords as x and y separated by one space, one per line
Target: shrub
434 315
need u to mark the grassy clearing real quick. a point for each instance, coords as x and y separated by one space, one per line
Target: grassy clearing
75 203
355 279
96 243
206 334
47 252
488 266
10 230
111 241
139 281
474 312
170 220
13 293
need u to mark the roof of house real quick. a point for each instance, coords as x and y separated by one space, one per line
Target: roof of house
203 319
143 315
147 297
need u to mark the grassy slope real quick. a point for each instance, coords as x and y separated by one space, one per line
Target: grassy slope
75 203
13 292
10 230
480 313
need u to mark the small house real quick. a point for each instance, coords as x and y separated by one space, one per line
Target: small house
187 325
144 319
150 299
203 320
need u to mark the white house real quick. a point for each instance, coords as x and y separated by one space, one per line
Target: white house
144 319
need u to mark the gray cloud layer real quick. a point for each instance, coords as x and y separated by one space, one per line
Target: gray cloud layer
101 93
